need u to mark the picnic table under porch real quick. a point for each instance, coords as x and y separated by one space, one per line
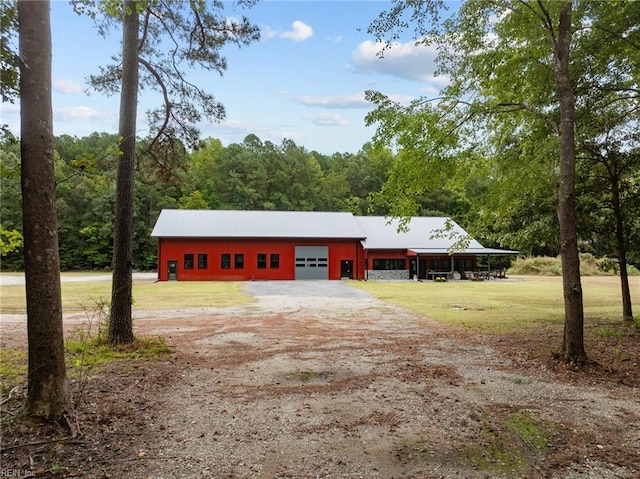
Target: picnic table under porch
470 264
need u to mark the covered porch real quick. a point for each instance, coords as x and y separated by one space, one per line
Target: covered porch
474 264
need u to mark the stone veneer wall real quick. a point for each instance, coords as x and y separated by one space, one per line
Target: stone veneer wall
380 274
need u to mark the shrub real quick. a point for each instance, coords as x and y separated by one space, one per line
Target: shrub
549 266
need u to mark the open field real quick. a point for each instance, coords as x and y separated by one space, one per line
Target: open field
485 306
522 303
324 379
147 295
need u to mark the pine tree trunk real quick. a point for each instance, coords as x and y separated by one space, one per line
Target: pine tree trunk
47 396
573 338
120 321
627 310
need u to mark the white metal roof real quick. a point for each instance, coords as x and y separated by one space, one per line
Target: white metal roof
422 233
256 224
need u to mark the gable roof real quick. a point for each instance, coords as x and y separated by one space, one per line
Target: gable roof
421 233
255 224
424 235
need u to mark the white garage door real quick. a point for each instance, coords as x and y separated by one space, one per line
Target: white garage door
312 262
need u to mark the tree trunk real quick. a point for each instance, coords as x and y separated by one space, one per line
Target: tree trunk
120 321
47 396
573 338
627 310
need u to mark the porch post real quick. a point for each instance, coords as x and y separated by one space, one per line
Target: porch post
453 266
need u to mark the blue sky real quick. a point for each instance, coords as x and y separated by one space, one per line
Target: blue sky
305 80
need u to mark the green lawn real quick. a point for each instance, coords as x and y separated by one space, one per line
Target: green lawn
505 306
80 296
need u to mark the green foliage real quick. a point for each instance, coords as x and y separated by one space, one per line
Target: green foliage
9 55
195 201
10 198
426 140
497 121
10 241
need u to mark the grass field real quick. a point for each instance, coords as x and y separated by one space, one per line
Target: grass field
81 296
505 306
486 306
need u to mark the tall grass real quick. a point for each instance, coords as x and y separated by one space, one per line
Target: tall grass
551 266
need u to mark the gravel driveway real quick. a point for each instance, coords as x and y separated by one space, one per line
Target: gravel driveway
320 379
305 289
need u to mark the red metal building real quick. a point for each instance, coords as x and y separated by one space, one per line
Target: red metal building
213 245
257 245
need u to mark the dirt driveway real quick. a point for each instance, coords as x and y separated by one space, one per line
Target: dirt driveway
319 379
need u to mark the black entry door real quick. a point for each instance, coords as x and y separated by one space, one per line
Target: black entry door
346 268
172 270
422 270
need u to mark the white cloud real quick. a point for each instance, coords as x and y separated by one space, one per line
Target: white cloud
327 119
431 91
403 60
267 32
402 99
342 101
297 137
64 85
299 32
70 113
347 101
235 131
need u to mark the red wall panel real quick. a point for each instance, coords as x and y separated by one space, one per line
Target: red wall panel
174 249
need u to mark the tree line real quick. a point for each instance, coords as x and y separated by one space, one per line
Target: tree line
261 175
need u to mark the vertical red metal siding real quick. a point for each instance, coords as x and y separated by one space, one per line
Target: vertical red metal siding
174 250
